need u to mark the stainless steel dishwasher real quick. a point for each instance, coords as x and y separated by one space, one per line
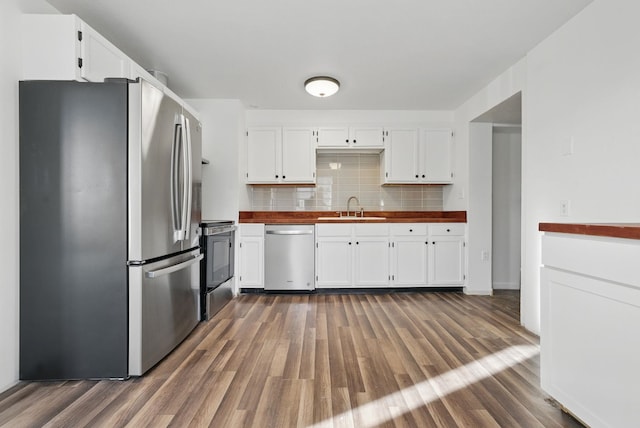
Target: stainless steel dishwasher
289 257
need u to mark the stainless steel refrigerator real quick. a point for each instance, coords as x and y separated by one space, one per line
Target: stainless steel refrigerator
110 179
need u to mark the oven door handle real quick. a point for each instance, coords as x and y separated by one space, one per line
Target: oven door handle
173 268
218 231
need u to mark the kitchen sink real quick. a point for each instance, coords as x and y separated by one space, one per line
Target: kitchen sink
352 218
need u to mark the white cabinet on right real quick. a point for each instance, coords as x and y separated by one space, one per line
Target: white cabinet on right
589 315
446 254
417 156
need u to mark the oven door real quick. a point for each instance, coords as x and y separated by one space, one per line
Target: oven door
219 253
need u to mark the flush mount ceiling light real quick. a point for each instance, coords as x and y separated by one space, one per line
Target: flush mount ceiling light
322 86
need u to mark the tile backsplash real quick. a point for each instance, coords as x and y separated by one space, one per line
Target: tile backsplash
340 176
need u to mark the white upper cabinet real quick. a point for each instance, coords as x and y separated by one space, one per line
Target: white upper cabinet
281 155
414 156
298 155
100 59
364 137
263 155
62 47
435 156
401 155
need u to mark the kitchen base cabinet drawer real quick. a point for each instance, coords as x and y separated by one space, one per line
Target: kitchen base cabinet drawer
444 229
249 229
343 229
408 229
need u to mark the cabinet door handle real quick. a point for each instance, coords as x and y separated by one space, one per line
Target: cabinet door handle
422 175
276 175
283 177
349 243
357 243
354 141
410 230
448 230
346 141
416 175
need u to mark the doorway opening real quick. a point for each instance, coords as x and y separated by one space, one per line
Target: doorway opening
506 193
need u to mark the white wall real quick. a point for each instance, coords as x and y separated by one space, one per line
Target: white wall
349 117
222 135
471 190
506 184
10 70
583 83
479 229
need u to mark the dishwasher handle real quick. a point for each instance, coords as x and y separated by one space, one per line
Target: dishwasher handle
289 232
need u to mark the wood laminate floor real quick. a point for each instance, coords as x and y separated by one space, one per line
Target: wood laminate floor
322 360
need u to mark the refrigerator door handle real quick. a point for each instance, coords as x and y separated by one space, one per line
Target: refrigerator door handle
176 215
173 268
189 177
186 185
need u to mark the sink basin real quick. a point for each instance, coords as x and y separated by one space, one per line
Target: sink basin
352 218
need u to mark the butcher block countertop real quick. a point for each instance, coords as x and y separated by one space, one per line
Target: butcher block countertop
611 230
312 217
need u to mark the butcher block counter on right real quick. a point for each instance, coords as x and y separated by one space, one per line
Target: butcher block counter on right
590 313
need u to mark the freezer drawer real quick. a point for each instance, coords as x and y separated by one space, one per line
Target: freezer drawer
289 258
163 308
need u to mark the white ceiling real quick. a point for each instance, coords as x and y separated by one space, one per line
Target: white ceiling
387 54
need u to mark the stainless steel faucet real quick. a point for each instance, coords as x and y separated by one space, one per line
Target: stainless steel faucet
349 204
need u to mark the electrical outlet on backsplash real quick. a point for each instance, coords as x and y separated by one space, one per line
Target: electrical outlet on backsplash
339 176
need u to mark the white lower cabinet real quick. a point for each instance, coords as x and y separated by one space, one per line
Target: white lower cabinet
251 256
334 262
427 255
390 255
352 255
589 313
446 254
371 261
409 243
